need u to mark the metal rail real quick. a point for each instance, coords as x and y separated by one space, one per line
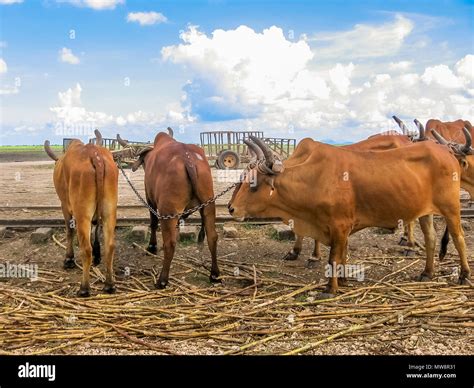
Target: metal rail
123 222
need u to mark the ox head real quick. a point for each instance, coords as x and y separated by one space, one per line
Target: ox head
465 156
256 186
138 151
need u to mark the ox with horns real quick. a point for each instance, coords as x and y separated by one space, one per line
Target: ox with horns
86 181
331 193
464 154
177 178
379 142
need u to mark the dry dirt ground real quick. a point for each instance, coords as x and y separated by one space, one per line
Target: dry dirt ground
264 305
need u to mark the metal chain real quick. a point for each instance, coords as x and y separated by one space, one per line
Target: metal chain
178 215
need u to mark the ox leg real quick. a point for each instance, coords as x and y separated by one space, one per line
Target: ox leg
202 231
152 246
336 254
342 280
69 260
457 233
96 246
444 244
410 236
427 226
295 251
316 256
84 237
209 214
109 222
169 232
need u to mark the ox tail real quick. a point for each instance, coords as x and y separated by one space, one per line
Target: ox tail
444 244
191 170
99 166
193 177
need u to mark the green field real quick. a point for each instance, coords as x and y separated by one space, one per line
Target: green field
27 148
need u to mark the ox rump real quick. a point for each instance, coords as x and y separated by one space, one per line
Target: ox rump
329 193
86 181
177 178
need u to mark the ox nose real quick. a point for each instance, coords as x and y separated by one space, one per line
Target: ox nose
231 209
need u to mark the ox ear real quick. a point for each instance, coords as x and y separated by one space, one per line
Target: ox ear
137 164
141 158
464 163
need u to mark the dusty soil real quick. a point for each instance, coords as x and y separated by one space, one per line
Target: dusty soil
379 253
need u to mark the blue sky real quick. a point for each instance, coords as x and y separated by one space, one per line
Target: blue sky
326 69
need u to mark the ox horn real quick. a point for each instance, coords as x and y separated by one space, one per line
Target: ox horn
466 149
401 124
267 153
255 149
170 132
439 138
98 137
49 151
421 128
122 142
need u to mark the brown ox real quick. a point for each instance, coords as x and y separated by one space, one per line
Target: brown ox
445 132
449 130
177 177
86 181
331 193
379 142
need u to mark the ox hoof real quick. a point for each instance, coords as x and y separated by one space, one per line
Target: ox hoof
69 263
83 292
291 256
109 288
96 261
161 284
326 295
312 263
464 281
152 249
424 277
409 253
214 279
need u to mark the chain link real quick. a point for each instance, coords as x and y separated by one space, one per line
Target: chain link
178 215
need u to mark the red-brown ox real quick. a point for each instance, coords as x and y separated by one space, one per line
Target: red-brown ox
177 177
86 181
379 142
331 193
450 131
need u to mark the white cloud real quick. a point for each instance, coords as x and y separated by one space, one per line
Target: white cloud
246 79
364 41
441 75
66 56
8 2
146 18
240 71
465 68
340 77
3 66
71 113
94 4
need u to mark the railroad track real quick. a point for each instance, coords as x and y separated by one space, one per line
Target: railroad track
131 221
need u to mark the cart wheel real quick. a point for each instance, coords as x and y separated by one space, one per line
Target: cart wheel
228 160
